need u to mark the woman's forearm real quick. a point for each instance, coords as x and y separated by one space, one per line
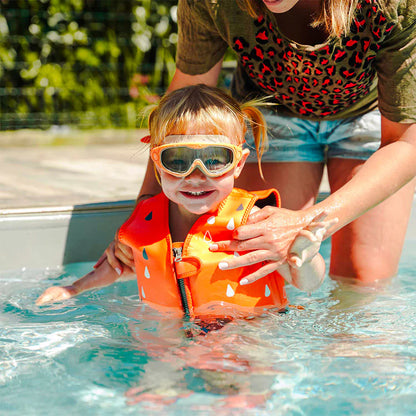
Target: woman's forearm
387 171
180 79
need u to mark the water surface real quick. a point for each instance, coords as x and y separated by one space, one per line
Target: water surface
344 350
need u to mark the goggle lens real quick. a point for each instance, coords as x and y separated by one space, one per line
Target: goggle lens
179 160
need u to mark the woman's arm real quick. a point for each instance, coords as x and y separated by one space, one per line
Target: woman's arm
180 79
270 232
383 174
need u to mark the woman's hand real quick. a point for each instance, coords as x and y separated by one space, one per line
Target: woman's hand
119 256
268 235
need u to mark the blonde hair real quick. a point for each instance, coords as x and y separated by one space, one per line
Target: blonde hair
211 110
335 16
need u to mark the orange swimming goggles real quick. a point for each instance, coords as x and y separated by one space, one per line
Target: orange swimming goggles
180 159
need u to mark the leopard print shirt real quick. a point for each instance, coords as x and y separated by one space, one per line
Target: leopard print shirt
374 64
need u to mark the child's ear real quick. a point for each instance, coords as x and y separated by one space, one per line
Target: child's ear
241 163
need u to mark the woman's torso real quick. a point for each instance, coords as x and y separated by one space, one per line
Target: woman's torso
336 78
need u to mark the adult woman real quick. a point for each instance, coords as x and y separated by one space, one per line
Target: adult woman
325 63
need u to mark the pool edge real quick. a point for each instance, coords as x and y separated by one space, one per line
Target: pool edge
52 236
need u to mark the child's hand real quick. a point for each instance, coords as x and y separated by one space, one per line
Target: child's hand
308 242
56 294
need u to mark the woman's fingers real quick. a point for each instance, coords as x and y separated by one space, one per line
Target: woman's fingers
119 256
254 257
275 225
242 246
124 253
112 259
100 260
270 235
284 217
260 273
268 239
262 214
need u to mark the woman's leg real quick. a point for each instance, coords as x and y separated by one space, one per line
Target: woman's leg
297 182
369 248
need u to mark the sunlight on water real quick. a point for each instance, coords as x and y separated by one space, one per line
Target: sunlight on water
344 350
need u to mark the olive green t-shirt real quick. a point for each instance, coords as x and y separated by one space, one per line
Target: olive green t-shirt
372 65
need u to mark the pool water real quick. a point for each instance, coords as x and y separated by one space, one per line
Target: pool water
344 350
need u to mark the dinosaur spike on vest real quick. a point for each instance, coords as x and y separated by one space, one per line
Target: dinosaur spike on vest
193 284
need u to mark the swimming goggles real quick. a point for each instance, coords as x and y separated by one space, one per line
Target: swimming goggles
180 159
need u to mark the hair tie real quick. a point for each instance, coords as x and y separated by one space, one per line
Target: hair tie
145 139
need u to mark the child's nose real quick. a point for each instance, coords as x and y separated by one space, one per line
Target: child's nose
196 175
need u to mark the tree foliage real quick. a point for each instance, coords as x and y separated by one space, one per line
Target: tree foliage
92 63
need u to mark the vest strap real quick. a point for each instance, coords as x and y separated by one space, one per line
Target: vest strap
187 267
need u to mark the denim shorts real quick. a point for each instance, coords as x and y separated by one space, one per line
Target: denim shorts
293 139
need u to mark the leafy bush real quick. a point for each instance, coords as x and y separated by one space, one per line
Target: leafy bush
92 63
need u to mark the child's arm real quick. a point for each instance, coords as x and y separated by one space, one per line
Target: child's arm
305 268
103 275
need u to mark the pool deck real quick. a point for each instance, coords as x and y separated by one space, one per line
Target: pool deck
46 174
40 171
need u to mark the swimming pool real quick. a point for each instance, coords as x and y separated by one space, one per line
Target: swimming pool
344 350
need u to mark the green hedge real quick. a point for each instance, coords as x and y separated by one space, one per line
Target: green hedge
90 63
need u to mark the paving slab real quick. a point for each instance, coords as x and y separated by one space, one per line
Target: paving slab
70 175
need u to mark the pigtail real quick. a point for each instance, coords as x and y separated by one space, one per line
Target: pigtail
257 123
152 113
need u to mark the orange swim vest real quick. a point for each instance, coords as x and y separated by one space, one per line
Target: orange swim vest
192 283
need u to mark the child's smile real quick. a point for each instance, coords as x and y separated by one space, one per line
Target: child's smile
197 187
196 192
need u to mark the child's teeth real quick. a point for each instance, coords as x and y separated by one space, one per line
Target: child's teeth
197 193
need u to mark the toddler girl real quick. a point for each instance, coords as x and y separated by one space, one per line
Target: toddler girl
196 138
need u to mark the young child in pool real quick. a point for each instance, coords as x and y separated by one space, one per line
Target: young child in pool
196 144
